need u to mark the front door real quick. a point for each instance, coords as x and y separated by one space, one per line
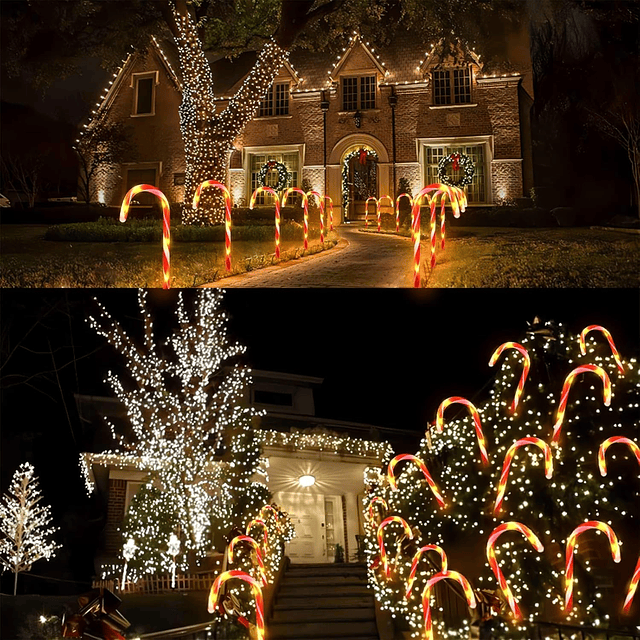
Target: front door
307 513
362 183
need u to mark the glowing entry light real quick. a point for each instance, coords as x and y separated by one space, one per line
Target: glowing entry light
255 588
166 225
493 562
525 368
606 382
571 543
607 335
306 480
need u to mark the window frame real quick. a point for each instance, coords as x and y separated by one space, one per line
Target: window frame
359 78
248 154
135 78
450 74
271 95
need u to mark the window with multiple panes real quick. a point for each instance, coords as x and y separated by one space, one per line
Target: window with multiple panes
476 190
276 100
452 86
145 93
358 93
257 160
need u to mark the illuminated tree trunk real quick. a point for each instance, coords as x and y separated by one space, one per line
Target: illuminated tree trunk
208 136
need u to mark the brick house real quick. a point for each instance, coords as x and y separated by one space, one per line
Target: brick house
295 443
404 108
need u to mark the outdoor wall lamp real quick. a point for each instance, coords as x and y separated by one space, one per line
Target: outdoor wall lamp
306 481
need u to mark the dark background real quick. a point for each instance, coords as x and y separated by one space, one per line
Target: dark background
388 358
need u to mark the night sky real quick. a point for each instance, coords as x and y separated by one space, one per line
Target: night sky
387 358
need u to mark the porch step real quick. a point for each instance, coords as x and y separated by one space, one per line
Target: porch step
324 601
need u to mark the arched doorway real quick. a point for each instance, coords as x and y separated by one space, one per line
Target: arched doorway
359 181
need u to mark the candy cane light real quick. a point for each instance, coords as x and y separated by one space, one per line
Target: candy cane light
256 547
493 562
252 204
255 588
606 383
378 204
376 500
602 463
525 368
426 597
402 195
631 590
504 476
383 551
166 225
330 211
227 215
571 543
305 206
366 209
607 335
416 559
258 522
425 472
482 443
321 203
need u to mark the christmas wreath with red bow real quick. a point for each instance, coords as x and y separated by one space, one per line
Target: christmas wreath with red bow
457 161
283 175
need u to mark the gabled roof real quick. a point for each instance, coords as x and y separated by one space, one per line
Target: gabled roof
356 44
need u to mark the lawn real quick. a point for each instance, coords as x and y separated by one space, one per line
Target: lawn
27 260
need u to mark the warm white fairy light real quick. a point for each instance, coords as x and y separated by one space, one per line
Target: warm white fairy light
551 508
24 524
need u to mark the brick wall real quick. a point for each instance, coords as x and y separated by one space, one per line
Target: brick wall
115 514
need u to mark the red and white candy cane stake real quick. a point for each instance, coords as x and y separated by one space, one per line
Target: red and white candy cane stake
276 516
305 206
548 465
256 547
493 562
416 560
321 202
383 552
606 382
378 203
166 225
525 368
631 590
255 588
482 443
366 209
330 211
571 543
227 215
602 463
425 472
402 195
376 500
258 522
607 335
252 204
426 597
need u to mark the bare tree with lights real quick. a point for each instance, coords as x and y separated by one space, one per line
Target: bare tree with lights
24 525
191 431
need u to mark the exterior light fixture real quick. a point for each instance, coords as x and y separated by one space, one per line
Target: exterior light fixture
306 481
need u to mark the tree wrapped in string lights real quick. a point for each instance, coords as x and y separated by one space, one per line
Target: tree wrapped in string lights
533 492
191 432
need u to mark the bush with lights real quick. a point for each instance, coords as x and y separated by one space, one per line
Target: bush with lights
550 500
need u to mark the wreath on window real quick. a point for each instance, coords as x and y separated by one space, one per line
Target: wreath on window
457 161
283 174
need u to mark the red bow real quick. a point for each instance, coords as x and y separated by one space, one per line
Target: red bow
456 161
362 156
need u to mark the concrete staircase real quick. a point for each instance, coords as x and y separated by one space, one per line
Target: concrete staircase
323 601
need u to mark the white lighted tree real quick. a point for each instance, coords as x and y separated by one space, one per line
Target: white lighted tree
24 525
190 430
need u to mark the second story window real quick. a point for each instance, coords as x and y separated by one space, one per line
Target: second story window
452 86
358 93
144 99
276 102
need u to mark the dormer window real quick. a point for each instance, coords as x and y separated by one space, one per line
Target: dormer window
359 93
452 86
276 101
144 98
